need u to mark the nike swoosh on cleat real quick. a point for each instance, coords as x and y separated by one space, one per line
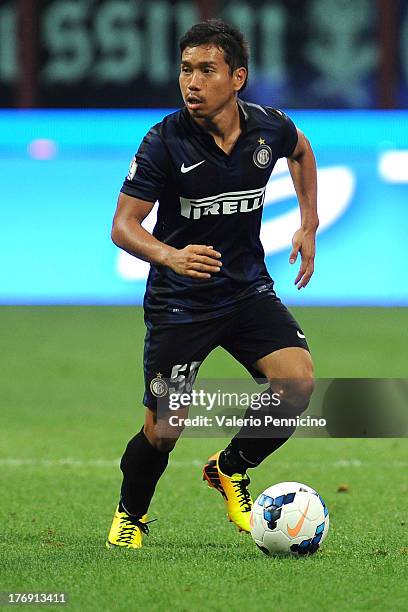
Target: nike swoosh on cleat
293 531
185 169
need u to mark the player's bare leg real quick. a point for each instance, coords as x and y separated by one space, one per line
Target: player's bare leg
292 363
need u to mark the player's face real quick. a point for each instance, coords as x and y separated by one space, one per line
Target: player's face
206 84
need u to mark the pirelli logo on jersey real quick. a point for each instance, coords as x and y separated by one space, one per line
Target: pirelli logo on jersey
223 204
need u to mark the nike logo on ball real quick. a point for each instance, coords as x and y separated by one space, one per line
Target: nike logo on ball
185 169
293 531
300 335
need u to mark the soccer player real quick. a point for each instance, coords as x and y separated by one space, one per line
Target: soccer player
208 165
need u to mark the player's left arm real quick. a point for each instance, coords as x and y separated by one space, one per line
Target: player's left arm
302 167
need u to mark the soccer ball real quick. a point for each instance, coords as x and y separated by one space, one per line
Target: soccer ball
289 518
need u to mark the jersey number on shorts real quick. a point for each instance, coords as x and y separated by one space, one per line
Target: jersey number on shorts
182 377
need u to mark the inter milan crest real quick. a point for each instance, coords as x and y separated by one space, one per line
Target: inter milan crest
158 386
262 155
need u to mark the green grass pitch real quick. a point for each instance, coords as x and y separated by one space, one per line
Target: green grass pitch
71 385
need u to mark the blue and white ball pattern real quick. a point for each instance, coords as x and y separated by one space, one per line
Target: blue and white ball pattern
289 518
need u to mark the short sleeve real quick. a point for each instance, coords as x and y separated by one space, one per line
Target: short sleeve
148 170
289 136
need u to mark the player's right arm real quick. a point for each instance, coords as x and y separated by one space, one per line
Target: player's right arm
194 260
146 181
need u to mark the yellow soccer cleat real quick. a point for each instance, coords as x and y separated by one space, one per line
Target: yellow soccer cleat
234 490
127 531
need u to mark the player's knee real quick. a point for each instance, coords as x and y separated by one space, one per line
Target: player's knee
162 439
165 445
301 390
295 393
297 387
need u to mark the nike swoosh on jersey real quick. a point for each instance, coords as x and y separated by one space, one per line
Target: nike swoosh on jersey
185 169
300 335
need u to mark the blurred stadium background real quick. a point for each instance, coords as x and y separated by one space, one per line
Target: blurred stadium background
81 81
340 67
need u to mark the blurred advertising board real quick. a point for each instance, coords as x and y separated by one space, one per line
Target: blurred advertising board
61 171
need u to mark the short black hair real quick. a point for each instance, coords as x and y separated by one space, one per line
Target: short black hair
229 39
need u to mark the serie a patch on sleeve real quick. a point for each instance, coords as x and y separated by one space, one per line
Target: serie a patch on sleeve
132 169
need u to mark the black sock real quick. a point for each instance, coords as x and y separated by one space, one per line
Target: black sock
250 446
244 453
142 465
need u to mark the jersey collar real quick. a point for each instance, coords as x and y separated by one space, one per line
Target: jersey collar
206 138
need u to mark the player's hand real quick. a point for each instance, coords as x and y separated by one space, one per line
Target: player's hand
303 241
195 260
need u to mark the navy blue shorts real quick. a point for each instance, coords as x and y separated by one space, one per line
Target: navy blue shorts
175 351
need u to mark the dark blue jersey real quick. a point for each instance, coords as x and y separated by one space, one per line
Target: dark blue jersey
208 197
